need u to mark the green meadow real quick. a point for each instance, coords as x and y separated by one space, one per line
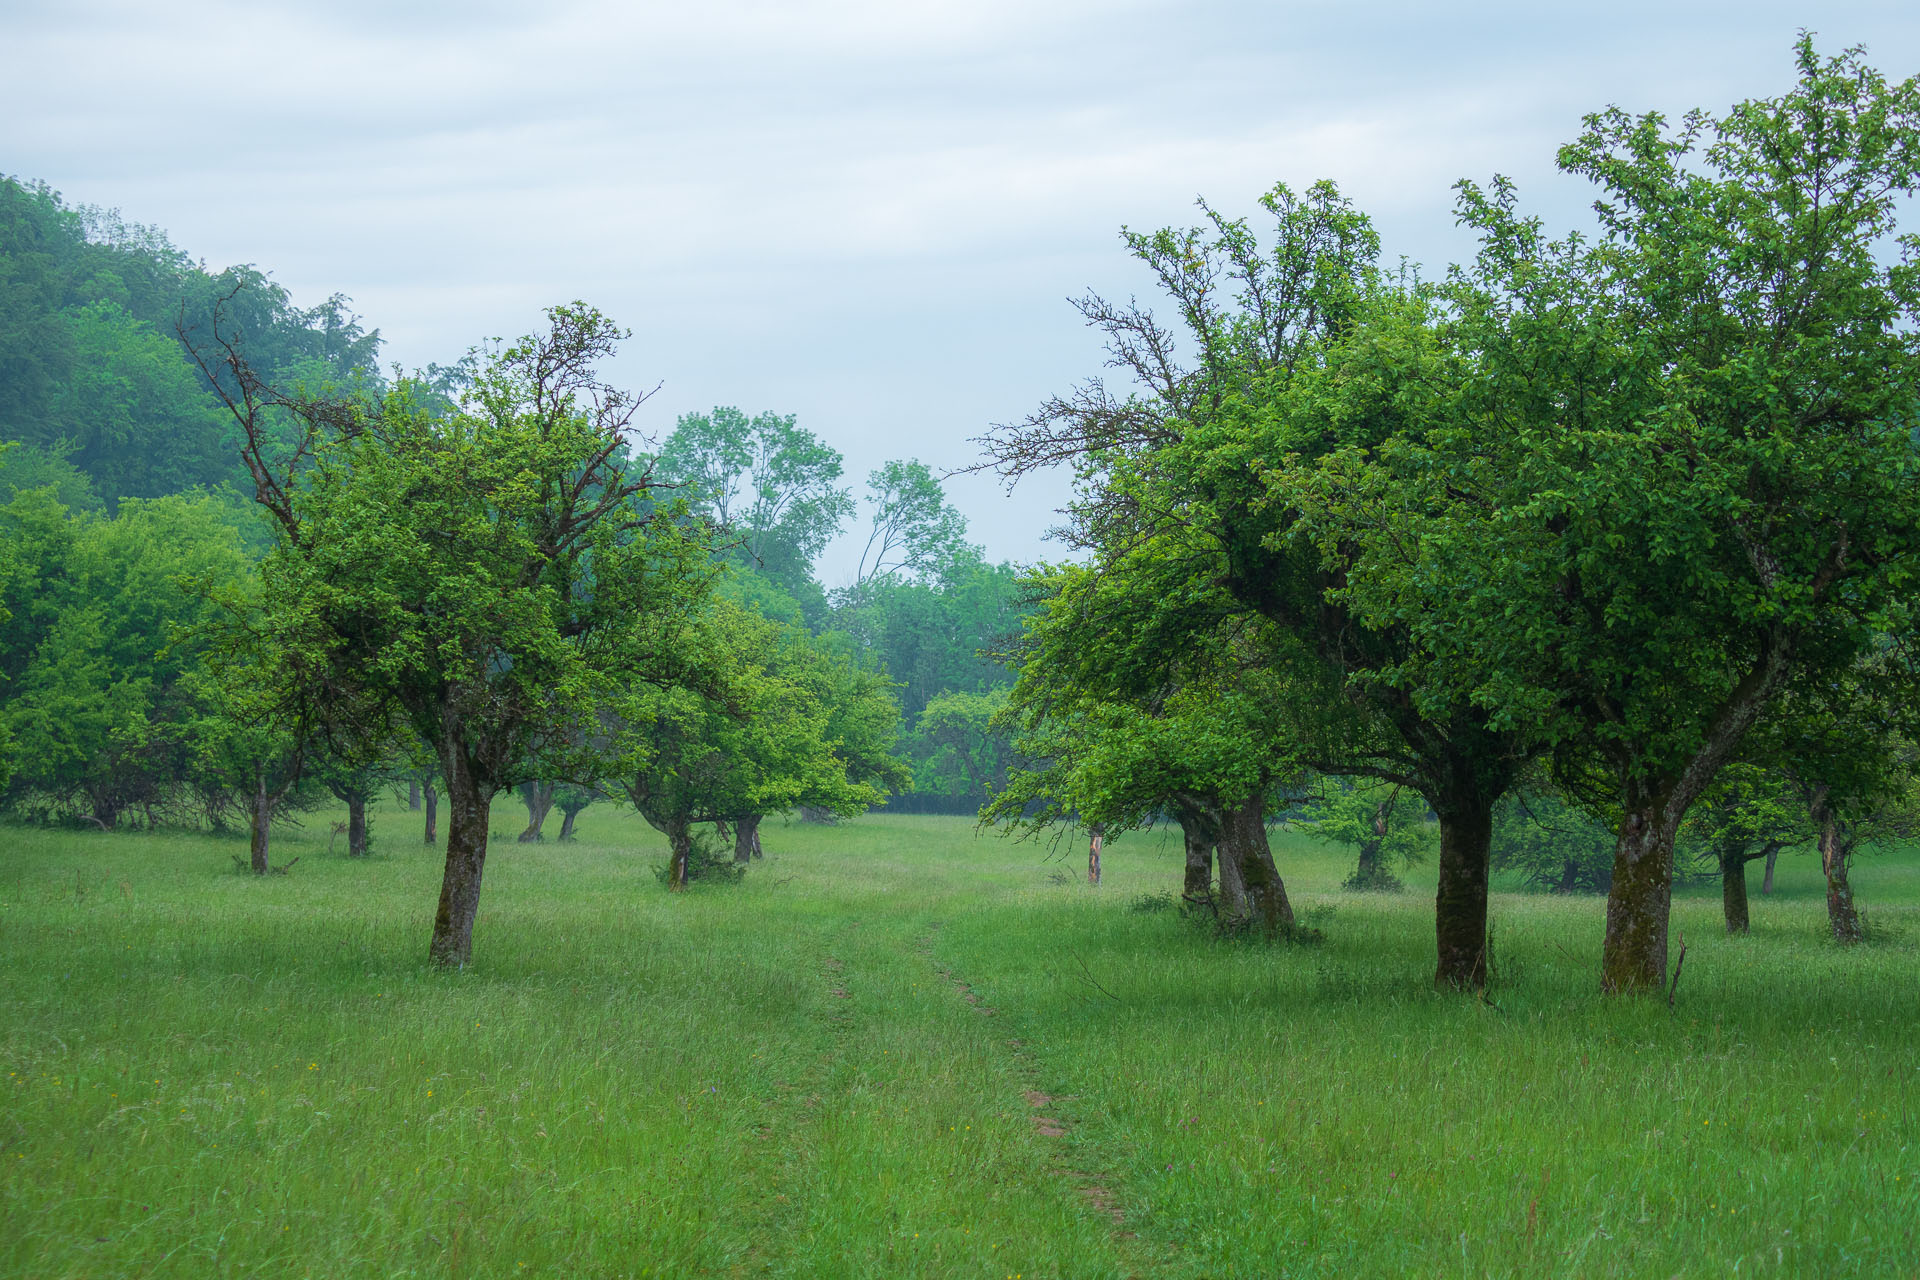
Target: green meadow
901 1049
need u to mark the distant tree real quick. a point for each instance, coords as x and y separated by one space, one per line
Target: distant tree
98 709
1386 823
571 800
1553 844
759 737
1749 814
914 533
767 483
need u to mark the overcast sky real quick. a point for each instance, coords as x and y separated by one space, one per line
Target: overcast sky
867 214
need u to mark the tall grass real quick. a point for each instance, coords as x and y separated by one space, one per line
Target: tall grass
832 1069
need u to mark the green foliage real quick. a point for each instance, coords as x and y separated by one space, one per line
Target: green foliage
767 484
1552 844
101 654
961 751
1386 824
934 636
914 534
25 466
770 722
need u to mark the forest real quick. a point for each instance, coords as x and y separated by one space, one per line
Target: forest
1576 584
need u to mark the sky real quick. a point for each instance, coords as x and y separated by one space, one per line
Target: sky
869 215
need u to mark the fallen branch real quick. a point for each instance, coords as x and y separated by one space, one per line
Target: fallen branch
1677 965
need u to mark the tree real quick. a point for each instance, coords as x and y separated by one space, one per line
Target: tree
99 689
1385 823
1554 845
764 481
1113 737
756 738
914 532
1749 814
1679 479
1184 482
485 576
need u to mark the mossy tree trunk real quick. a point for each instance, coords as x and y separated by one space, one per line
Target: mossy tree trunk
1244 842
1835 853
746 839
469 801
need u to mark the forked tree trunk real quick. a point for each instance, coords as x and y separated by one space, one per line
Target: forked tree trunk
261 826
431 794
1244 842
1198 838
538 797
1834 856
1633 959
1733 890
1460 902
746 839
1232 907
468 803
679 851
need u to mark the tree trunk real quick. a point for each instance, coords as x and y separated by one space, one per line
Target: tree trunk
357 826
566 823
1834 856
432 796
538 797
468 803
1733 889
260 834
1244 842
1460 903
1198 886
679 851
1773 856
746 839
1569 877
1634 956
1232 907
413 795
1093 859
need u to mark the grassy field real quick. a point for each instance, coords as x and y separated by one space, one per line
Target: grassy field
901 1050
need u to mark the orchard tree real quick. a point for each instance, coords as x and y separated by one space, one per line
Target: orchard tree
1179 503
1111 733
486 576
1384 823
754 738
1749 814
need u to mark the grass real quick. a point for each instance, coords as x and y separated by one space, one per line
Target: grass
900 1050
